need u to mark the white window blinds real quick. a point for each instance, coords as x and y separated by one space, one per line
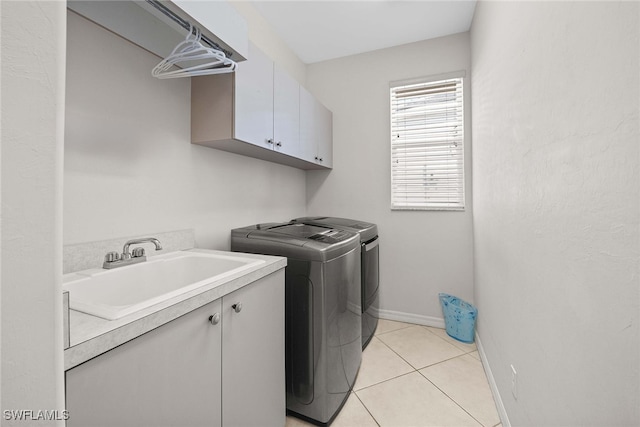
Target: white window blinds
427 146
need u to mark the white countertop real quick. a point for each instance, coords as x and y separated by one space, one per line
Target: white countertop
91 336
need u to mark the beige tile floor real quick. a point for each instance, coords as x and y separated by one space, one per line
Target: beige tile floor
414 375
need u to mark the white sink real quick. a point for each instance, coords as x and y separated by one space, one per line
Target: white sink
112 294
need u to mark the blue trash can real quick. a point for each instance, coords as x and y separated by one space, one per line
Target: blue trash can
459 318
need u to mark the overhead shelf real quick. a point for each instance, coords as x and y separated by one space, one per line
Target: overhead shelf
158 26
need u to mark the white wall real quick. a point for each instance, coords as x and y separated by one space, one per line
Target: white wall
130 168
556 207
33 50
421 253
265 38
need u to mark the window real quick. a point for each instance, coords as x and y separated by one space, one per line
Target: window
427 145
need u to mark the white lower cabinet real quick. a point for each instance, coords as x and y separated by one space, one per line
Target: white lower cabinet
190 371
253 376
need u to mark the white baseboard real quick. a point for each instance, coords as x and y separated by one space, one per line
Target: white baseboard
502 412
418 319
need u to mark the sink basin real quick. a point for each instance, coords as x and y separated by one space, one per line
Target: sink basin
112 294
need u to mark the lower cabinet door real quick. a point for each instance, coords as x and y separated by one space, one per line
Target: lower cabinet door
170 376
253 373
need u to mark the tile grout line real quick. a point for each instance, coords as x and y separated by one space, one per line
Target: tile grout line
433 364
465 353
365 407
394 330
414 369
443 392
410 365
421 374
452 399
396 353
445 340
447 360
388 379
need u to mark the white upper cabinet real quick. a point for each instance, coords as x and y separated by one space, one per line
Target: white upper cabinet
267 110
253 106
324 129
316 130
286 113
257 112
307 121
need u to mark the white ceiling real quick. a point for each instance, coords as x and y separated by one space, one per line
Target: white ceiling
321 30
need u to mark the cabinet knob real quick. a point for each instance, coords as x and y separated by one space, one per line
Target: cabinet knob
319 159
269 141
214 319
279 144
237 307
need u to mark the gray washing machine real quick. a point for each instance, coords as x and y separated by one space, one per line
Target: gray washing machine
323 313
370 274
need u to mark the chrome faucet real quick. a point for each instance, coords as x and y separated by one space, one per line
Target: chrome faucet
125 248
114 259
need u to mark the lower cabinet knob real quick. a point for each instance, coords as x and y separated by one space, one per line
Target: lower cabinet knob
237 307
214 319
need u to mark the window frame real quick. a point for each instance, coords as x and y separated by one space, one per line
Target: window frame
461 75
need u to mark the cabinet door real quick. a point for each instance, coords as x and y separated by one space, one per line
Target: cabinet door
308 142
170 376
324 134
254 99
253 374
286 113
316 130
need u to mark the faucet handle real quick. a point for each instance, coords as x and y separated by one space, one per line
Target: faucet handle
112 257
137 252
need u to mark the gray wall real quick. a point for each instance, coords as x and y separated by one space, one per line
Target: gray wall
130 168
422 252
556 207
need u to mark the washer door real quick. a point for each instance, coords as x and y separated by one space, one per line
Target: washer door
299 330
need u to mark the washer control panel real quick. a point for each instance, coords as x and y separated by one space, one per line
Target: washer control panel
331 236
